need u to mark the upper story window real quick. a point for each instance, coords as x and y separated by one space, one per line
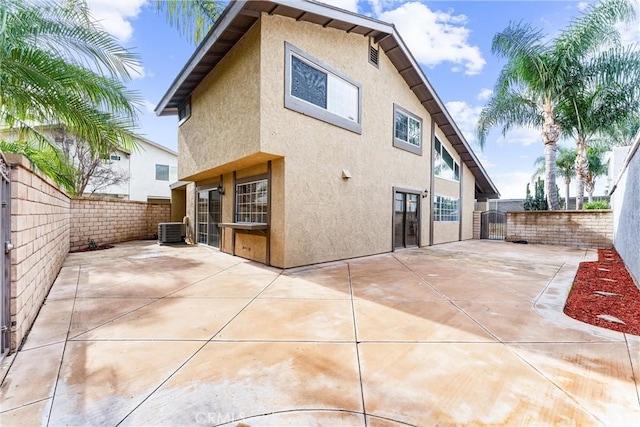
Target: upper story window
444 165
317 90
252 200
162 172
184 111
407 130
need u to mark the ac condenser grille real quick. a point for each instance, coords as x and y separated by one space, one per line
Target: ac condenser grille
170 232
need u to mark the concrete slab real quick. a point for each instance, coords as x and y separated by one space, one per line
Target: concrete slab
464 333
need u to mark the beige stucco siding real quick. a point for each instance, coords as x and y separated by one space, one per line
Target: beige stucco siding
329 217
225 112
468 202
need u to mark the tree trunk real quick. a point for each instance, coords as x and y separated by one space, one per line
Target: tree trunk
579 193
582 170
550 134
567 183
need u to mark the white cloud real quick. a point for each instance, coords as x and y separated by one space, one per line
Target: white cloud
521 136
466 117
351 5
485 94
435 37
115 16
149 106
511 185
583 5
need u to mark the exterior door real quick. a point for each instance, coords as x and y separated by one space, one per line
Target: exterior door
5 258
406 220
209 214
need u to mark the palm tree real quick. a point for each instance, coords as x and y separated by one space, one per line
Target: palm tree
57 66
193 18
597 167
565 166
539 73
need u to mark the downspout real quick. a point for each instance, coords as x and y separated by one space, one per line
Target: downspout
431 181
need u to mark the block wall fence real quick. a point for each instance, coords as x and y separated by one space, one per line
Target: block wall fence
106 220
582 229
46 224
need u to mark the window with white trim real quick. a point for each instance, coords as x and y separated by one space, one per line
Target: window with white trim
444 166
446 209
317 90
407 130
252 201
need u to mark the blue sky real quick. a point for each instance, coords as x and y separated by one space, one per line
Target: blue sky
450 39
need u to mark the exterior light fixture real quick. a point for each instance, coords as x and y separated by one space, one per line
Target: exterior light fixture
220 189
425 194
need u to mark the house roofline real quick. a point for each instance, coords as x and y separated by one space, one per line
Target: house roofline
247 13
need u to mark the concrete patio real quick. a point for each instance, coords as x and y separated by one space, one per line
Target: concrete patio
464 333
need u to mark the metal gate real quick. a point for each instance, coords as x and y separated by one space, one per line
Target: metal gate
493 225
5 257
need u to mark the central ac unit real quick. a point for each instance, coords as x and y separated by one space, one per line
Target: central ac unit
170 232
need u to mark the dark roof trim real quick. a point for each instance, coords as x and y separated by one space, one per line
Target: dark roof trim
239 16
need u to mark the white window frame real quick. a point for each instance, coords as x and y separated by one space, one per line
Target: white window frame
443 211
402 143
294 103
257 212
456 165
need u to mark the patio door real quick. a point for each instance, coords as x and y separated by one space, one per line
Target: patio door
5 258
209 214
406 220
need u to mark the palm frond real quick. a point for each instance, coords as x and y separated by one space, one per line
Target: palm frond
193 18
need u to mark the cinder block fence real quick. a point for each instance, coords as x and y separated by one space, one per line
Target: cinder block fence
583 229
46 224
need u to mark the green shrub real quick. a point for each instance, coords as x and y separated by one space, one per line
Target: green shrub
598 204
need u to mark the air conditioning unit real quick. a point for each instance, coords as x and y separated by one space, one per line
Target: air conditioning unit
170 232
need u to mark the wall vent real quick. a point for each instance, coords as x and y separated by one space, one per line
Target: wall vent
170 232
373 55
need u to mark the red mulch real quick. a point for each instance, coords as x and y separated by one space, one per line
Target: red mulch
608 274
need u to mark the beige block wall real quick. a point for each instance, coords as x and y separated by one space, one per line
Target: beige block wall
477 223
329 217
225 112
107 220
40 224
583 229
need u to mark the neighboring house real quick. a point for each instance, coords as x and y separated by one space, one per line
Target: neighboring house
142 175
309 134
151 169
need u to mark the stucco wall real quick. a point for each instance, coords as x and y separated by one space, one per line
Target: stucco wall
329 217
584 229
625 201
40 224
111 221
225 112
468 202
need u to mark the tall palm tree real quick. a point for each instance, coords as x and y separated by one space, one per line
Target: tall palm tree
597 167
539 72
193 18
58 66
565 166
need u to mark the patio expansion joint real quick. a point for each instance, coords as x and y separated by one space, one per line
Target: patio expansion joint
452 302
64 347
357 343
151 301
210 340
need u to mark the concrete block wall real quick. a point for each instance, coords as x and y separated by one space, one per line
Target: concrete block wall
106 220
583 229
40 224
477 218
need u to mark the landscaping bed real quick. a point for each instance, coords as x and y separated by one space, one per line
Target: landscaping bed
604 294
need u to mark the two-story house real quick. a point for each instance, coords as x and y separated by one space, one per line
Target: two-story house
309 134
